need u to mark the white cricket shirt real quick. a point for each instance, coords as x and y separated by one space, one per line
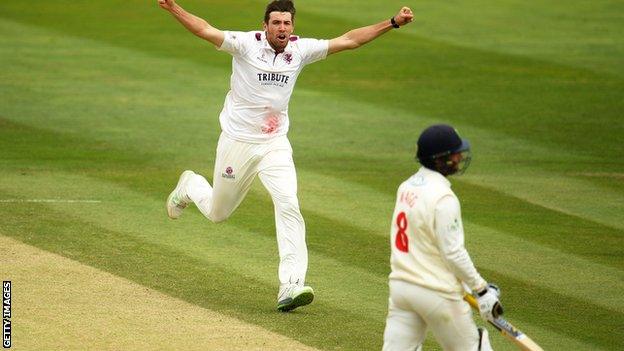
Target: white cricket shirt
427 237
256 107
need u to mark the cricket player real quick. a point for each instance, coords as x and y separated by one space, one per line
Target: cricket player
428 259
254 123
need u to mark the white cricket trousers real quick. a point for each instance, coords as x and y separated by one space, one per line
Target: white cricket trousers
236 166
413 309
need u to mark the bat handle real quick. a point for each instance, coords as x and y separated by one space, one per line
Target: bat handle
472 301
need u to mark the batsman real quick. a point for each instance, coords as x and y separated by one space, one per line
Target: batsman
429 262
254 126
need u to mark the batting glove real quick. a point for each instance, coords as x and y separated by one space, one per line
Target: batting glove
497 290
489 305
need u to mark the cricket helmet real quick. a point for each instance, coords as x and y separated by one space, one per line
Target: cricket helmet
437 143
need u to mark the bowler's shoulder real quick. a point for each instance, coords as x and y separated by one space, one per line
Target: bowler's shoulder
254 38
302 43
237 35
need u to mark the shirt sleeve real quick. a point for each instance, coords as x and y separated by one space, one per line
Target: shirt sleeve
450 234
313 50
235 43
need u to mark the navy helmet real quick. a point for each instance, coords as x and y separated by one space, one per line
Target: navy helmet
437 143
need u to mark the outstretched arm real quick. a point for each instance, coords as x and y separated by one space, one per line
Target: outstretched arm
358 37
194 24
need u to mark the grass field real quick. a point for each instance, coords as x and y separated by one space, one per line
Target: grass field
106 102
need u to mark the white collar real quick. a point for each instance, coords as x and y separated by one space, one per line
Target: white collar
436 176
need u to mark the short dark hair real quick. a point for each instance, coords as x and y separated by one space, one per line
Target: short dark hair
279 6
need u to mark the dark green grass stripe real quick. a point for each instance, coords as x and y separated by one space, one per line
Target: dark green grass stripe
567 233
39 148
172 272
576 318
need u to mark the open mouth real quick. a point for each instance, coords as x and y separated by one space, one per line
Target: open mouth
281 37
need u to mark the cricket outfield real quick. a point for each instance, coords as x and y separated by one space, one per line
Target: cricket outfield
103 104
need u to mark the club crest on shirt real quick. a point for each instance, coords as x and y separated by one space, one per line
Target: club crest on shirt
288 57
229 173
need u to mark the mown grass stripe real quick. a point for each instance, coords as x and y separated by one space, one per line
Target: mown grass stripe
554 229
526 261
565 314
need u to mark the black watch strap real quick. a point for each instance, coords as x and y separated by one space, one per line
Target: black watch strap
393 22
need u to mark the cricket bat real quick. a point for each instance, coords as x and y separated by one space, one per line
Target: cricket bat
507 329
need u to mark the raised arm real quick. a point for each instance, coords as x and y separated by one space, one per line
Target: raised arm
358 37
194 24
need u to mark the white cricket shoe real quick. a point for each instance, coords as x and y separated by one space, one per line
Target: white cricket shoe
178 199
294 296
